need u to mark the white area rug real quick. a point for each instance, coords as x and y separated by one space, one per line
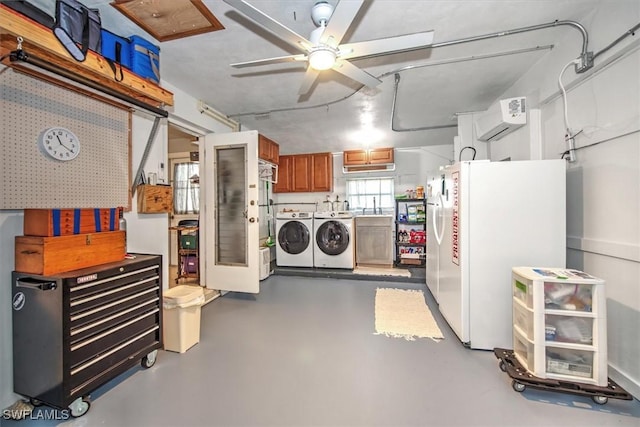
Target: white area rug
404 314
381 271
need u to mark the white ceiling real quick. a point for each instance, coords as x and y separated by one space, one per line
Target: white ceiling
434 85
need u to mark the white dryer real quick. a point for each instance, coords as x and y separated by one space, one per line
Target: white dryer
334 243
294 247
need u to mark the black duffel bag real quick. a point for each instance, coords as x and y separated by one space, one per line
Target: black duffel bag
78 28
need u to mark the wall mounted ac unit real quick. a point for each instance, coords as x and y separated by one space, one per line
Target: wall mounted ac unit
501 119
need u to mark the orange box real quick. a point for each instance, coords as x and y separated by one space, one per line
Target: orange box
58 254
63 222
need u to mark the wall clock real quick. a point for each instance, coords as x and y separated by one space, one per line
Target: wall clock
59 143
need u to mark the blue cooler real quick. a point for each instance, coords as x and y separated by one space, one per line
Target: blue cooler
145 58
116 48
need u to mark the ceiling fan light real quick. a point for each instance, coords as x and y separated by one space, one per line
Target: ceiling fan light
322 59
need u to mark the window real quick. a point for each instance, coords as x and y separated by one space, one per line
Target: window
362 192
186 188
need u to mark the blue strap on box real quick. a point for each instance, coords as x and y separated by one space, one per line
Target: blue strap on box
55 216
112 219
76 221
96 218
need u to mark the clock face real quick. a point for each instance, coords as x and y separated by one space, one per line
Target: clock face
59 143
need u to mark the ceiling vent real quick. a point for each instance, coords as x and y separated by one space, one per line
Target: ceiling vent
501 119
169 20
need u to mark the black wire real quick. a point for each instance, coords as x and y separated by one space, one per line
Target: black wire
464 148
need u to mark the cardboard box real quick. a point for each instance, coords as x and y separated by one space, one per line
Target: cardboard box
53 255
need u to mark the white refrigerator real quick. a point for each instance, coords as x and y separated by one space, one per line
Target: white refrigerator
488 217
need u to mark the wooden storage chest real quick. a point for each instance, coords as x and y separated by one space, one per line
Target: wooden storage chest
53 255
62 222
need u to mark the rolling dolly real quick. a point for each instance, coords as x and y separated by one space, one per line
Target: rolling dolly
523 379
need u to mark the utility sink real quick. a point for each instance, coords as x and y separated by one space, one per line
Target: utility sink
374 240
374 220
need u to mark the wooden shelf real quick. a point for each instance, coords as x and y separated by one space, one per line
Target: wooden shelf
40 42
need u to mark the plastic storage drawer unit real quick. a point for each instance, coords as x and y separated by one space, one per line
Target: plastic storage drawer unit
560 324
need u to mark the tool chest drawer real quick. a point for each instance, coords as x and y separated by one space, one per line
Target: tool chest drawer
92 324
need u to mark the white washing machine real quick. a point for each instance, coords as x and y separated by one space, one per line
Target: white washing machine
334 242
294 247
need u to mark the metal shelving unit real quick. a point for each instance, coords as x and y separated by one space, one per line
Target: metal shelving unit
411 231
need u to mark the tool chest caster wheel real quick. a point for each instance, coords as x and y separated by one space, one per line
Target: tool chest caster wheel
517 386
600 400
149 360
502 366
79 407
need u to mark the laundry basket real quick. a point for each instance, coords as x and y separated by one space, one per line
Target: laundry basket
181 317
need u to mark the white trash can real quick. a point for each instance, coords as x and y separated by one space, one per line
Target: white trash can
181 317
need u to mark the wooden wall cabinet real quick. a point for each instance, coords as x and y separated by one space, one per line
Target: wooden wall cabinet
301 173
304 173
155 199
284 184
268 149
322 172
374 156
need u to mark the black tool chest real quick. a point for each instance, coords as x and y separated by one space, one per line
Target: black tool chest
77 330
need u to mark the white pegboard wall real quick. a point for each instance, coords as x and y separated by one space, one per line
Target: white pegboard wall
97 178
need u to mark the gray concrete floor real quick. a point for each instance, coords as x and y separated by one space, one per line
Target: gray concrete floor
303 352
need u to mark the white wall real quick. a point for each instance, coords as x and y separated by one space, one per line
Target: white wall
146 233
603 185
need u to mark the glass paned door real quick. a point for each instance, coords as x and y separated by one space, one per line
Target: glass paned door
229 232
231 215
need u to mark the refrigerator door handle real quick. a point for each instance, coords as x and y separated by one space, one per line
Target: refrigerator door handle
436 213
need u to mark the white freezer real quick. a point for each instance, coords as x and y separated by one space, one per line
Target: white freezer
496 215
434 204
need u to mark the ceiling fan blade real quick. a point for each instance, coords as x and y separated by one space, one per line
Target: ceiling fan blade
289 36
355 73
309 77
386 46
342 17
276 60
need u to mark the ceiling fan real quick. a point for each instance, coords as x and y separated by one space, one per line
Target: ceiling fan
323 50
